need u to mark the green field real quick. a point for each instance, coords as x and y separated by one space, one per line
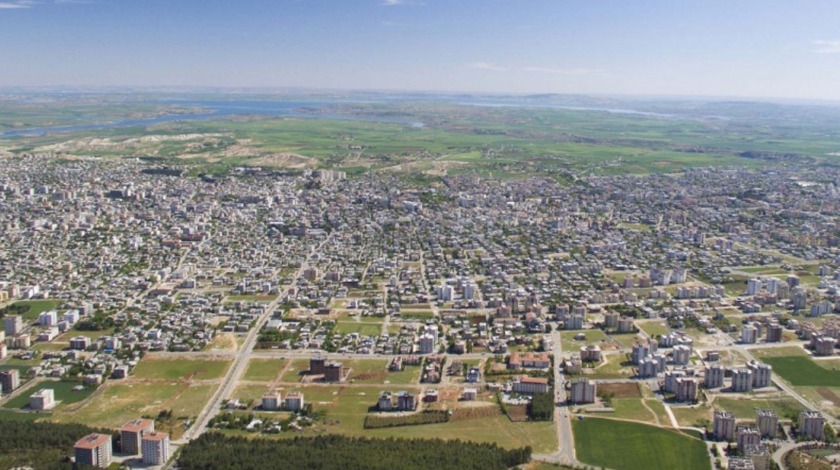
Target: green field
293 373
592 337
622 445
36 307
64 394
802 371
745 408
119 403
653 328
362 328
263 370
185 369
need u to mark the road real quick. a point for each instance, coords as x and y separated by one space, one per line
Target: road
240 363
565 454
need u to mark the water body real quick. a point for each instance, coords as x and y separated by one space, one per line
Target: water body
218 109
313 109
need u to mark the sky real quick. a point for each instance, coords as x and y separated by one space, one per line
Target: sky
725 48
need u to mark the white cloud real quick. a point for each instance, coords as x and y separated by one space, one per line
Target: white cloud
558 70
16 5
486 66
827 47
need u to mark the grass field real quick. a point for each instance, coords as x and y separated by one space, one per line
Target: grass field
622 445
778 352
409 375
692 416
802 371
151 368
592 337
263 370
36 307
362 328
745 408
612 368
293 373
653 328
367 371
63 390
119 403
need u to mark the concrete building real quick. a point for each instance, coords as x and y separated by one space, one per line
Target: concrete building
749 334
759 455
747 436
94 450
582 391
714 376
132 432
42 400
723 427
681 354
155 447
740 463
334 372
530 385
812 425
824 346
686 389
774 333
426 344
9 380
271 400
13 325
317 365
742 380
762 374
79 343
294 401
767 422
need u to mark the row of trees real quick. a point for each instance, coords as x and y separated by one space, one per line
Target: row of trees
216 451
425 417
41 445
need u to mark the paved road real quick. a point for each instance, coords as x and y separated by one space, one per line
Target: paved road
241 362
562 414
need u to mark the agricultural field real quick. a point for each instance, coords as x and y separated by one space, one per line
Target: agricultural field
803 371
622 445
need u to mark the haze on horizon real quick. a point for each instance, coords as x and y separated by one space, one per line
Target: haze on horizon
750 48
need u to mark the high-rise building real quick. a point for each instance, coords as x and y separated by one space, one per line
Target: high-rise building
723 427
9 380
747 436
132 433
686 389
742 380
774 333
767 422
762 374
714 376
294 401
93 450
582 391
13 325
271 400
749 334
155 447
811 425
681 354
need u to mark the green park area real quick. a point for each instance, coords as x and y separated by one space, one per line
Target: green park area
622 445
180 369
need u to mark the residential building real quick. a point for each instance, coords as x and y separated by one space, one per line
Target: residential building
132 432
294 401
79 343
686 389
42 400
582 391
714 376
747 436
271 400
530 385
94 450
762 374
9 380
155 447
13 325
681 354
812 425
742 380
334 372
767 422
723 426
529 360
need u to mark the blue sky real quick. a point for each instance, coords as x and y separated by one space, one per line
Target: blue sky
760 48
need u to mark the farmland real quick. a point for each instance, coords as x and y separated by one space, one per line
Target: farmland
802 371
630 446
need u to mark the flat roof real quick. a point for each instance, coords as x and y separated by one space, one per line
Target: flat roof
137 425
92 441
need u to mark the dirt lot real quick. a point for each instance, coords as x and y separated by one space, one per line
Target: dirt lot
621 390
